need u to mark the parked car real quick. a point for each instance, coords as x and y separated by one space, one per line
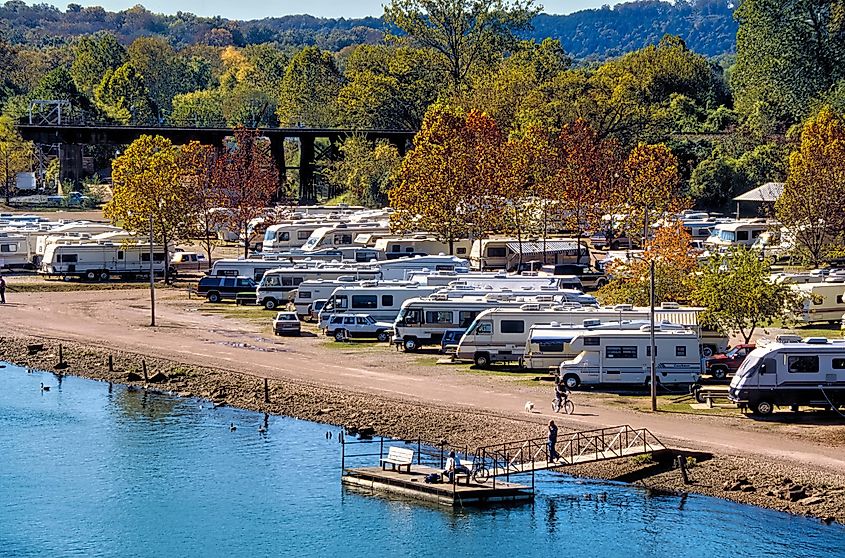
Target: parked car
314 309
286 323
590 278
216 288
451 340
719 366
187 261
347 326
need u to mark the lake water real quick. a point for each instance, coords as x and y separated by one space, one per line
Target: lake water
89 472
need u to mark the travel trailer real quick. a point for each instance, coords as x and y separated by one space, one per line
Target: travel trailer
496 280
102 259
277 285
403 268
312 290
423 321
550 344
380 299
622 357
13 251
503 252
810 373
284 237
823 302
502 334
249 267
419 245
738 233
342 234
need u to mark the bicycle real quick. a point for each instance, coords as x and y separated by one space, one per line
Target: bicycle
479 473
568 406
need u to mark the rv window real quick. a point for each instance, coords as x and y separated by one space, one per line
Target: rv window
513 326
444 267
68 258
285 236
680 351
755 234
465 318
742 235
8 247
438 317
304 294
342 239
411 316
839 364
387 300
340 302
496 252
364 301
395 248
409 250
838 299
592 341
804 364
551 346
303 235
461 251
120 254
620 352
272 281
485 328
223 272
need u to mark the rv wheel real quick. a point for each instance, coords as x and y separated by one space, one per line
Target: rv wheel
410 344
90 275
763 408
719 372
269 303
104 276
572 381
482 360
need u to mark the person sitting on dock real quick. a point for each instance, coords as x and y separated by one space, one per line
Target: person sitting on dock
453 465
553 454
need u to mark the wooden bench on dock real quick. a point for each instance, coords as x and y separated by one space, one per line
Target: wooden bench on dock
397 458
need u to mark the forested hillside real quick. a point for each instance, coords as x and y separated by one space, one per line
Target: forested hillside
707 26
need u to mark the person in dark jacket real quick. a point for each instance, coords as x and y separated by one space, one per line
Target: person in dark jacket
553 454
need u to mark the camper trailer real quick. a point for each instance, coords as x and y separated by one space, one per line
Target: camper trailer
622 357
312 290
419 245
276 285
502 334
102 259
380 299
13 251
284 237
738 233
504 252
343 234
823 302
809 373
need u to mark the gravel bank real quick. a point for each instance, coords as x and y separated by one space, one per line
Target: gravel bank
781 486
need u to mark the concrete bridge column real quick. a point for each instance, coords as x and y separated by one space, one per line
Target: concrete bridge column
70 159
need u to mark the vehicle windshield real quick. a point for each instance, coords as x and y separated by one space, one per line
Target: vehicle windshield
270 235
748 367
732 353
472 327
370 320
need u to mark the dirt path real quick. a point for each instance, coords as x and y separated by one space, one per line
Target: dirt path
194 332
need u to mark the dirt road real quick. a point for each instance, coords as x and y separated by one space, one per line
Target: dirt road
195 332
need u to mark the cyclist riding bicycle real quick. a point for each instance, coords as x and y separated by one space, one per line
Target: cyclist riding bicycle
561 393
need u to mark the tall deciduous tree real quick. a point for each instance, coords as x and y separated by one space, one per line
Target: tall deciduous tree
94 55
308 93
653 185
123 96
197 165
811 204
466 34
148 186
247 179
366 171
738 296
15 155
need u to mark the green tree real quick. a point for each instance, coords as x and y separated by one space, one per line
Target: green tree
715 182
123 96
198 108
366 171
148 187
15 155
738 296
164 73
308 94
788 53
94 56
466 35
810 206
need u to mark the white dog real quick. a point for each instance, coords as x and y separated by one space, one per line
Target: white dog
529 406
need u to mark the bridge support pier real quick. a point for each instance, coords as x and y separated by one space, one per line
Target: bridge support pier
70 159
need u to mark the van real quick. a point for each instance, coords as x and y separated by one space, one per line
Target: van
216 289
810 373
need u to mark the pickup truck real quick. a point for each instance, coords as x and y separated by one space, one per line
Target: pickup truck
590 278
719 366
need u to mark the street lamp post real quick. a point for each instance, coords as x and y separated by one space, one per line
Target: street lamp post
152 279
652 348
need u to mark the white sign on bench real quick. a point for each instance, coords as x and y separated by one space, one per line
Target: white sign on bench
397 458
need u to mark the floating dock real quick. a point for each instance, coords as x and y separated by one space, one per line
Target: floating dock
413 485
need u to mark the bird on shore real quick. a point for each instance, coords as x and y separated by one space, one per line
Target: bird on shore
44 388
232 427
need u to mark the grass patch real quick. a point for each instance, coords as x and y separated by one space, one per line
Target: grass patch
362 346
71 286
666 404
644 459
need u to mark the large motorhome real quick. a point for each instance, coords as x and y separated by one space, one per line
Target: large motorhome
277 285
419 245
496 281
624 357
503 252
380 299
738 233
501 334
284 237
423 321
342 234
312 290
823 302
810 373
403 268
101 259
13 251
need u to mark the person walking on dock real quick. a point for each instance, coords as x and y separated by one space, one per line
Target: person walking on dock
553 454
2 290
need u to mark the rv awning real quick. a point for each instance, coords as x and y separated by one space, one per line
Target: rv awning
551 246
768 192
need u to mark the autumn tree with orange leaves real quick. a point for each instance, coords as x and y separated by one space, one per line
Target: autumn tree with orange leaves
653 186
446 183
197 165
247 179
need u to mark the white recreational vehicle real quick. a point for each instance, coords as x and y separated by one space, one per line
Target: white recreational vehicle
501 334
623 357
419 245
823 302
403 268
284 237
342 234
277 285
810 373
312 290
101 259
382 300
13 251
503 252
496 280
738 233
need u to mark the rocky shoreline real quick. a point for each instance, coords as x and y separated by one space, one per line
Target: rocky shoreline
782 485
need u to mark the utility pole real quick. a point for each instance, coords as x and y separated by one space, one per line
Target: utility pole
653 347
152 278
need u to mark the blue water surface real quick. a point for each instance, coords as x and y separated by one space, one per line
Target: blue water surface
89 471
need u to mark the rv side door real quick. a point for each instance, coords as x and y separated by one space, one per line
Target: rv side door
767 372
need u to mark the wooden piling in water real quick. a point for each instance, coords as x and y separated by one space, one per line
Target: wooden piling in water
144 368
111 363
266 391
683 467
61 354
